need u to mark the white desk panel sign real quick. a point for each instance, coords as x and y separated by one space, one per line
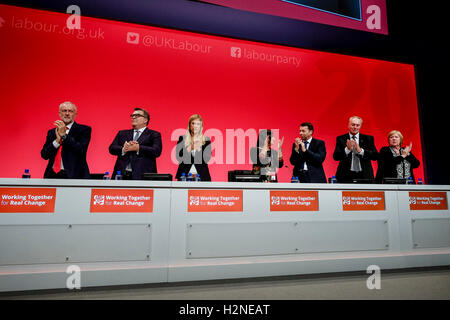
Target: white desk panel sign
431 233
338 236
73 243
32 244
214 240
207 240
109 243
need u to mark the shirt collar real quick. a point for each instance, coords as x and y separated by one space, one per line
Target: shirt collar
69 125
356 136
140 130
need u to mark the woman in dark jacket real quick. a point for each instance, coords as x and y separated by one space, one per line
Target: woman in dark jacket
395 161
193 151
266 159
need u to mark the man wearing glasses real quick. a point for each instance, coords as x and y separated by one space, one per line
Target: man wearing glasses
66 146
136 149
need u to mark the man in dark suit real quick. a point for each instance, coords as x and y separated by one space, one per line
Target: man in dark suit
307 156
354 151
136 149
66 146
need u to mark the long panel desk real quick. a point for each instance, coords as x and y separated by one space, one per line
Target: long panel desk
133 232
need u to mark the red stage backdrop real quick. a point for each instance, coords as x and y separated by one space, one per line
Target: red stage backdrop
239 87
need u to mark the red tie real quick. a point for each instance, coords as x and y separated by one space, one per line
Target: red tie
57 164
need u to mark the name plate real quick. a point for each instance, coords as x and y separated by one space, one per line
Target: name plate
121 200
27 200
363 201
294 200
215 200
428 201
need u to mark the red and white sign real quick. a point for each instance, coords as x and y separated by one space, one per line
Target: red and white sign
294 200
27 200
428 201
121 200
215 200
363 200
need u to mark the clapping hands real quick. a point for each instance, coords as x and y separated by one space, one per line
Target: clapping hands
60 129
131 146
407 150
353 145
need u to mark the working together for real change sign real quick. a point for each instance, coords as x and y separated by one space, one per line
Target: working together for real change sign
27 200
294 200
121 200
428 201
363 200
215 201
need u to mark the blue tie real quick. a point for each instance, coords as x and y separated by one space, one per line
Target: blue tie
306 147
136 135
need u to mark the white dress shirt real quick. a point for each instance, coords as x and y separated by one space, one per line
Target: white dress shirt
305 167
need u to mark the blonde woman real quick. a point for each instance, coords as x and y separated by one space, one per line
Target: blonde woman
394 161
193 150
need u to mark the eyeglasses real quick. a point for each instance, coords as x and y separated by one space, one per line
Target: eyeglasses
135 116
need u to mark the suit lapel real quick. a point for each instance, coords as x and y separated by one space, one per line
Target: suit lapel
346 137
130 135
73 129
362 139
143 135
312 145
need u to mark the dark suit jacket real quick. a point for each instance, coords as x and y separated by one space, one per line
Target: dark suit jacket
200 161
150 147
387 164
73 153
367 143
314 157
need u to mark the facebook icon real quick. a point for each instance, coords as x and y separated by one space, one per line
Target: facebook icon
236 52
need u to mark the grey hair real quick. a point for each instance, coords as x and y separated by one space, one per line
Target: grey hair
67 103
355 117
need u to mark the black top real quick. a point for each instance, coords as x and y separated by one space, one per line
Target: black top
199 160
387 164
